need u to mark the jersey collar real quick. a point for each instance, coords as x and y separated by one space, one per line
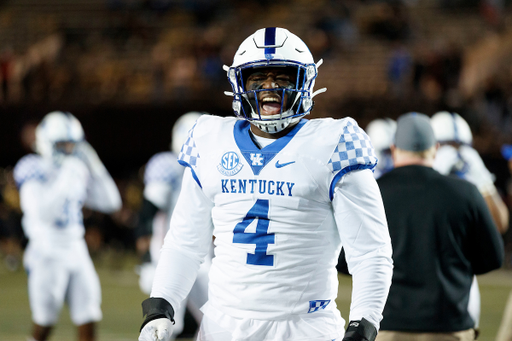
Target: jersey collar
258 158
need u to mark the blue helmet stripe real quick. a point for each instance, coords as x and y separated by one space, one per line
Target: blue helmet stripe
455 130
270 39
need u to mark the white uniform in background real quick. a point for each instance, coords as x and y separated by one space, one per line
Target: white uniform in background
279 216
464 162
53 189
382 134
162 183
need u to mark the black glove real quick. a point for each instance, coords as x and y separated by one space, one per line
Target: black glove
360 331
154 308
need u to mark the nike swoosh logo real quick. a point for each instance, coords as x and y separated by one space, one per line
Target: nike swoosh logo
281 165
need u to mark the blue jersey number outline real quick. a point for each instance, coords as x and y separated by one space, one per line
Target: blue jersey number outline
261 237
71 214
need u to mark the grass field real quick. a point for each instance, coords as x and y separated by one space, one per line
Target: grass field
122 313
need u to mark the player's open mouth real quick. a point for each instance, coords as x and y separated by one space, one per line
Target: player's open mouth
270 105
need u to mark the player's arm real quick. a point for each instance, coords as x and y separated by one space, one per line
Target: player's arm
498 209
478 174
362 226
103 194
486 244
186 245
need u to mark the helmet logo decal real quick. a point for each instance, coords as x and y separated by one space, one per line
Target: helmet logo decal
455 130
229 164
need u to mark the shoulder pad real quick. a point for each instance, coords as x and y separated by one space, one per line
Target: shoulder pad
29 167
354 149
161 167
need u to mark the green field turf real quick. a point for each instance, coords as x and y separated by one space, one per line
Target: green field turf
122 298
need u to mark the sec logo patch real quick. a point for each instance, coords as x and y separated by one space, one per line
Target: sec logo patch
229 164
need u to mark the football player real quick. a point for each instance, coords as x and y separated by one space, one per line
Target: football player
382 132
54 186
281 194
457 157
162 183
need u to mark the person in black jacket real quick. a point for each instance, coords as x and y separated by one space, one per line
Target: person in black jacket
442 234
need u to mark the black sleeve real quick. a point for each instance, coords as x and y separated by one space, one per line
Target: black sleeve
486 244
146 215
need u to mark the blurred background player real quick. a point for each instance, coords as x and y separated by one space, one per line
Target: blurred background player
54 185
162 184
382 132
436 251
457 157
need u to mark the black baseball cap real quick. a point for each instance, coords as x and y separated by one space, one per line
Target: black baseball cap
414 132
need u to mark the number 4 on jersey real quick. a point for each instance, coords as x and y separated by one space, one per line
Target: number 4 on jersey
261 237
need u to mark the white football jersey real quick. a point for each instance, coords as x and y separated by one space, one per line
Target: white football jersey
162 184
277 242
52 199
163 172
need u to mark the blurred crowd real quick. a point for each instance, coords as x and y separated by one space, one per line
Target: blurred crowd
412 55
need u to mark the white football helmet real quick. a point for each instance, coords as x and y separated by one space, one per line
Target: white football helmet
381 132
273 47
451 127
57 126
181 128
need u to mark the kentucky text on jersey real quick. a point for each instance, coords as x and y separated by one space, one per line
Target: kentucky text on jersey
251 186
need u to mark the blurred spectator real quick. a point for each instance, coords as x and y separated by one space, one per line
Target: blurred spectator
335 25
493 12
182 75
399 71
209 57
6 65
161 58
498 102
392 22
